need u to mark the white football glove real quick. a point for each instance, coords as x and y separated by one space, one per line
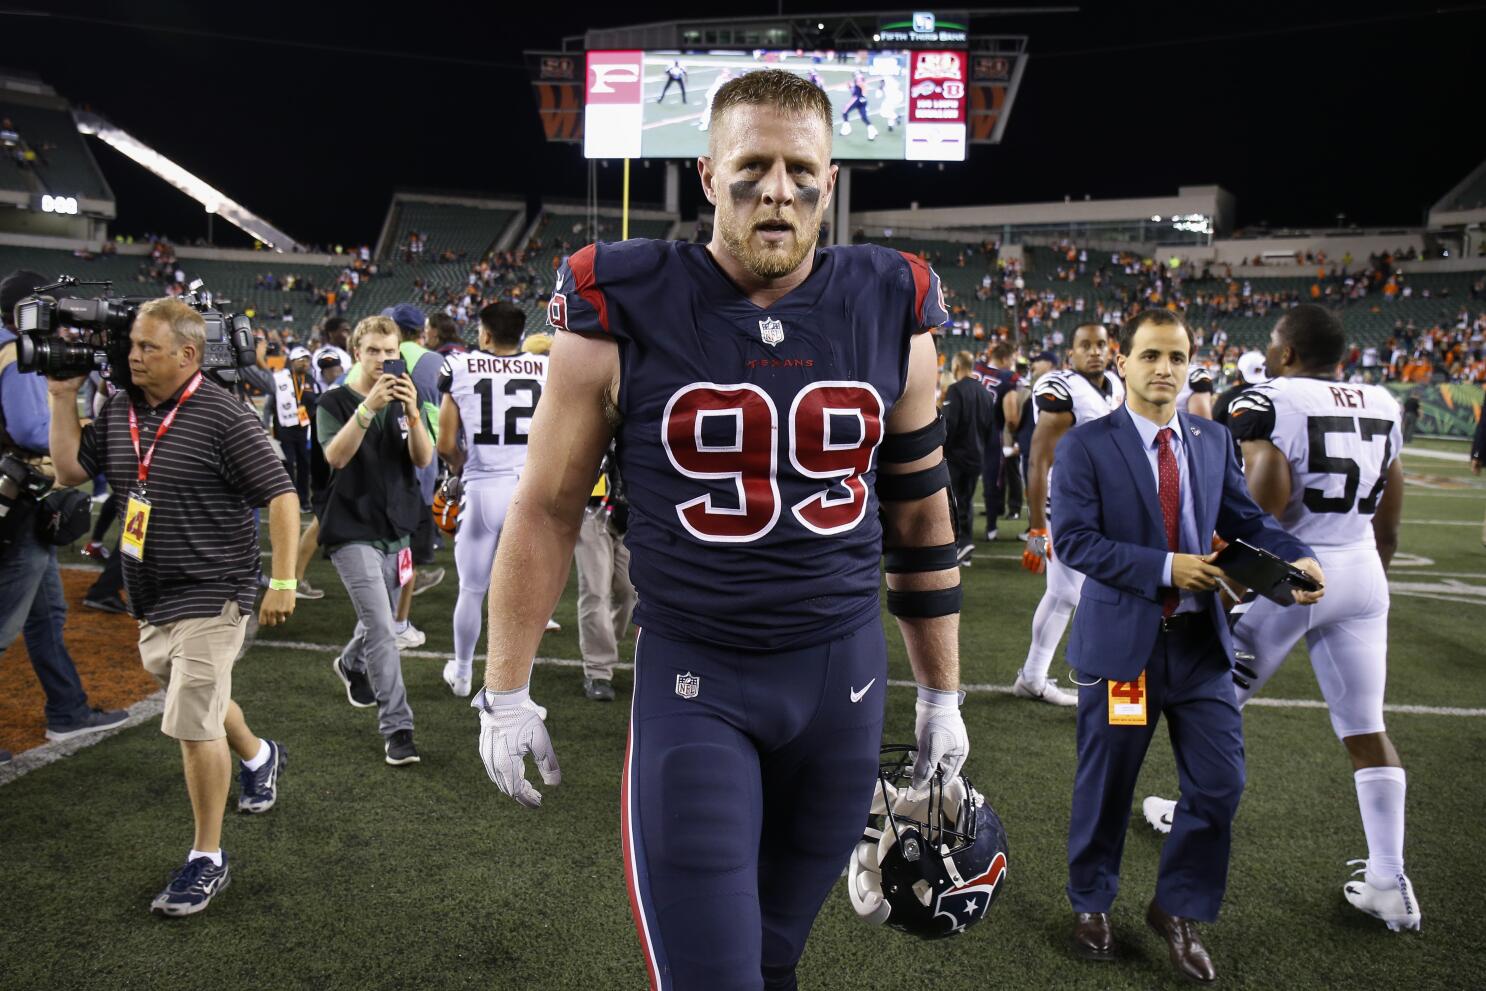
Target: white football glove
510 728
941 739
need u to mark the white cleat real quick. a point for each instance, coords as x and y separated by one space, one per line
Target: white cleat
458 684
871 132
410 638
553 625
1048 692
1158 812
845 128
1395 905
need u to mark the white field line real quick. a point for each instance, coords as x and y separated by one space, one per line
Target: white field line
1424 452
1474 523
49 753
973 689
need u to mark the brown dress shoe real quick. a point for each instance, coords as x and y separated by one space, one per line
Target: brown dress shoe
1188 954
1092 938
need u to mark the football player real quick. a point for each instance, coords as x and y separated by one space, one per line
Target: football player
890 91
769 397
1000 380
1084 391
857 103
1322 458
1196 396
489 396
675 76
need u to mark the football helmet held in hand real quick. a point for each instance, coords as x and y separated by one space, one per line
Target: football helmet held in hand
447 502
929 868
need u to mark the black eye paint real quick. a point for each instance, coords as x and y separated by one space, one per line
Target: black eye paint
808 195
744 189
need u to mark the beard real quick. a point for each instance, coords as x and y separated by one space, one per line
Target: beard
769 261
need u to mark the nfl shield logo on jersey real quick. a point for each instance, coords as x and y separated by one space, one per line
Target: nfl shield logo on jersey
688 684
771 330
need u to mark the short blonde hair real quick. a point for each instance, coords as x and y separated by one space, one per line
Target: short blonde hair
964 361
537 344
187 326
369 326
777 88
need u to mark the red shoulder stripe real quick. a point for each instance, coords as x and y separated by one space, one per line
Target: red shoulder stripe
580 263
920 270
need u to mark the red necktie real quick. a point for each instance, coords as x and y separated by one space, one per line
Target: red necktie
1171 506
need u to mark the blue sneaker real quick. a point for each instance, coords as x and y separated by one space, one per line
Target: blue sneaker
92 721
192 887
260 788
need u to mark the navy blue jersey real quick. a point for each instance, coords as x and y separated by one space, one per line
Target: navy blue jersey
749 435
998 382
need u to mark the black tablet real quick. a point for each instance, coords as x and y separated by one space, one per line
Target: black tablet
1270 576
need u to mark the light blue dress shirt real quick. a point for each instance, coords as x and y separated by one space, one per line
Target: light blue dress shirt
1187 540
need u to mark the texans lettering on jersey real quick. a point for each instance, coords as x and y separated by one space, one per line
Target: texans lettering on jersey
749 435
1340 441
496 396
1199 380
1067 391
998 382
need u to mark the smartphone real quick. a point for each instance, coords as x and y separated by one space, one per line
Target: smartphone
395 367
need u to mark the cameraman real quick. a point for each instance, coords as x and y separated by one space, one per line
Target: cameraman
191 462
31 600
376 438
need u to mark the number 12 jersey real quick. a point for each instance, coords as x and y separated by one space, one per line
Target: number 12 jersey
749 436
496 396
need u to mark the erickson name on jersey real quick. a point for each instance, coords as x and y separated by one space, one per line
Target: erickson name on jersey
496 396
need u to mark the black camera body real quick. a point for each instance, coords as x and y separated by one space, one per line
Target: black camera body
104 323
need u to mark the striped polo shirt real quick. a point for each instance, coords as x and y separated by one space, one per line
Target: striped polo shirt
210 469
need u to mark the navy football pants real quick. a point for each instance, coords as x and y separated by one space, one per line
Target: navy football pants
741 805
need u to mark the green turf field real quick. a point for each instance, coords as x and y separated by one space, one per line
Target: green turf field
367 876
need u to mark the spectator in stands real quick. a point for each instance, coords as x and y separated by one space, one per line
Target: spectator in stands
423 366
193 560
375 436
31 599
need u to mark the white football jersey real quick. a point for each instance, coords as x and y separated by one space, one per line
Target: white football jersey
496 396
1067 391
1340 441
1199 379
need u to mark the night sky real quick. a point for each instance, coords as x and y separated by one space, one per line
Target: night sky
1304 111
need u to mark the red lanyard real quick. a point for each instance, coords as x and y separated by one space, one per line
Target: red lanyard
144 462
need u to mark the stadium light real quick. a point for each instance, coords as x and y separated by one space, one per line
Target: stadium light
212 199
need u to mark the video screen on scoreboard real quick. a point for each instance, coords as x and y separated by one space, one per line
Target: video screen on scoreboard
887 105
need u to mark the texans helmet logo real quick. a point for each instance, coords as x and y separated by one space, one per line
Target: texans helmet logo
961 905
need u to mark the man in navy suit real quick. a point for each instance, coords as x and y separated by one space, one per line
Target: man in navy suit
1137 496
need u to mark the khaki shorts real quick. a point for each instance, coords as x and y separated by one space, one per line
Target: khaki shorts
192 660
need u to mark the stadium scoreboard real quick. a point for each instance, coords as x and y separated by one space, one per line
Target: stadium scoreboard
910 86
887 104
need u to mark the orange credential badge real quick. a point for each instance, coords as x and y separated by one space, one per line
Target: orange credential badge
1127 702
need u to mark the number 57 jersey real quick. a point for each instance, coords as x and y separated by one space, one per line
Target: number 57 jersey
1340 441
749 437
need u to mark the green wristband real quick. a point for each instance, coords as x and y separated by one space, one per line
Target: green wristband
283 584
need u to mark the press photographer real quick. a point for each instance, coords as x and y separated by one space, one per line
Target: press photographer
191 462
31 600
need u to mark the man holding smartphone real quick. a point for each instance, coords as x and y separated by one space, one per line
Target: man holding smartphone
375 438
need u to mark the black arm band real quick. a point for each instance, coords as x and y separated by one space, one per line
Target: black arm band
924 604
904 449
908 560
914 485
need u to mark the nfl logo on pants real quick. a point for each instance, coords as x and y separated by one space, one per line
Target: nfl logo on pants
771 330
687 685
